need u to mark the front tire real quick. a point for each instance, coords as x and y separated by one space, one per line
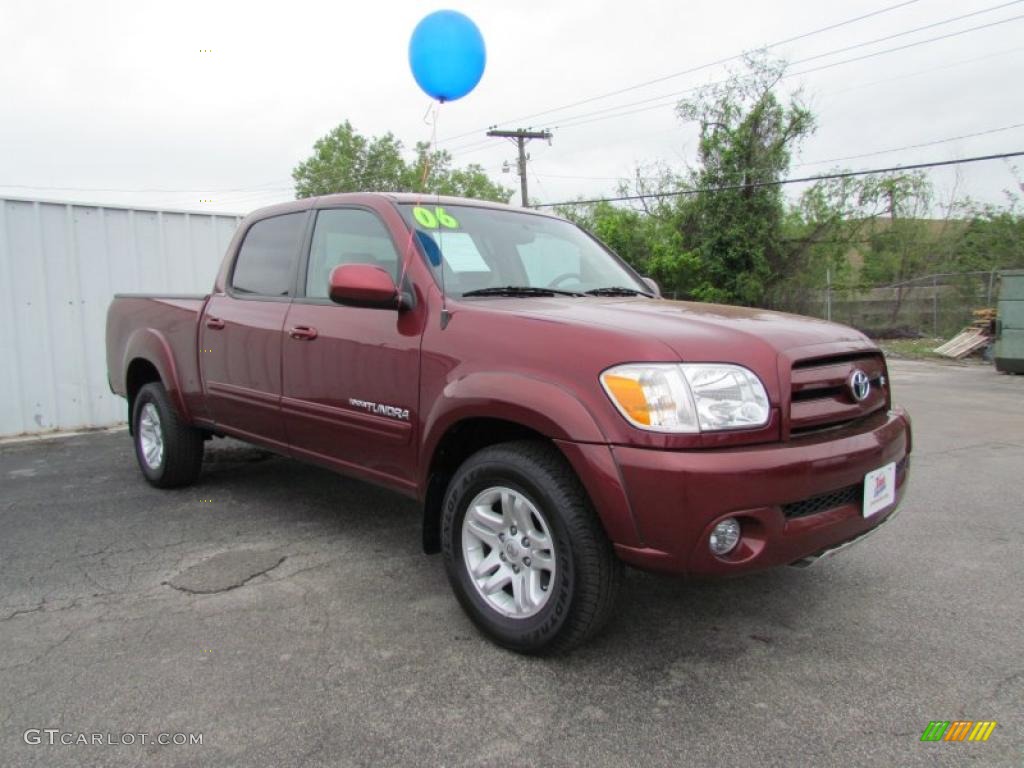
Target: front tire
524 551
169 451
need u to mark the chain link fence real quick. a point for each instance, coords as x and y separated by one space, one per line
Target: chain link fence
936 305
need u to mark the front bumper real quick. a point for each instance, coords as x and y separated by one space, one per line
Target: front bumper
677 497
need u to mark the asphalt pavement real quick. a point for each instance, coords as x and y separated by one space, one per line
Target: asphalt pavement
286 617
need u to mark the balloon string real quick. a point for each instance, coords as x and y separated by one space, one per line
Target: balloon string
440 232
433 112
430 117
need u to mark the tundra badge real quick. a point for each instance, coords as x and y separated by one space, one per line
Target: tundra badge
379 409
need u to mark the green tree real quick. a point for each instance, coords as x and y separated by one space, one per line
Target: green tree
346 161
723 230
734 220
442 179
820 230
904 247
839 223
993 237
722 238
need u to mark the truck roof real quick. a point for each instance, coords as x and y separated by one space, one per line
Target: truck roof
397 197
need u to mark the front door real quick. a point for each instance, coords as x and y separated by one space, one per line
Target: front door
240 333
351 374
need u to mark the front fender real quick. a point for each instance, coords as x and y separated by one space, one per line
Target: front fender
550 410
542 406
152 346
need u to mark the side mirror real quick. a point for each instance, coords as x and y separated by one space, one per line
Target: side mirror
655 288
363 285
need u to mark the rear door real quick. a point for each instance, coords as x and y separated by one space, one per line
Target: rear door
351 374
241 330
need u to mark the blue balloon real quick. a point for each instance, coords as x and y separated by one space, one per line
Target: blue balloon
447 55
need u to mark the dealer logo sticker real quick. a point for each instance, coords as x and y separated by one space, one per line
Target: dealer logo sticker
880 485
958 730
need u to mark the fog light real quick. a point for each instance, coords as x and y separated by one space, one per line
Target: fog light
725 536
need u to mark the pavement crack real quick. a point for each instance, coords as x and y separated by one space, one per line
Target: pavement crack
23 611
40 608
225 572
301 571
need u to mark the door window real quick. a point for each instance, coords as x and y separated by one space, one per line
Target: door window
266 260
347 236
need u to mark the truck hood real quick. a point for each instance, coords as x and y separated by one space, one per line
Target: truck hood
694 331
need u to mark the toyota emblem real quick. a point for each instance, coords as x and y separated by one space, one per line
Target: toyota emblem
860 385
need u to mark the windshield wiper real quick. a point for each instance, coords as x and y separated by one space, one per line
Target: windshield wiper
617 291
519 290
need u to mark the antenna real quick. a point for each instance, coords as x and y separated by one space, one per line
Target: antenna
445 314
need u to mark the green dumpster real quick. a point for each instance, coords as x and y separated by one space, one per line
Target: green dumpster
1010 324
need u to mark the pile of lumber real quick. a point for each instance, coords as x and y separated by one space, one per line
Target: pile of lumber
974 337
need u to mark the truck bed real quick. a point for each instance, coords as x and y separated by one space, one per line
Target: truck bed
161 328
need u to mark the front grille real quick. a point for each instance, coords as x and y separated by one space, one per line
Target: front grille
820 396
812 506
851 494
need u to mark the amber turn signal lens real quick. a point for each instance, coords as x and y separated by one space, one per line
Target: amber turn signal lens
629 394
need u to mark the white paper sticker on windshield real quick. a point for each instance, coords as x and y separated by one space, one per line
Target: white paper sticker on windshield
460 252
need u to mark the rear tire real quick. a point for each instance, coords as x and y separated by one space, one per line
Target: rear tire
524 551
169 451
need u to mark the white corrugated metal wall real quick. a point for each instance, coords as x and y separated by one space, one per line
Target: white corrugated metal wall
60 265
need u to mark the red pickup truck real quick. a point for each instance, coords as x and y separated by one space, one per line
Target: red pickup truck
553 415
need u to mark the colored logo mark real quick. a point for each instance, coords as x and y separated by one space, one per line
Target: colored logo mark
958 730
879 485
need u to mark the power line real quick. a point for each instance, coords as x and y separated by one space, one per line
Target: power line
903 76
928 71
600 115
582 118
627 177
587 178
783 182
906 46
691 70
240 199
268 185
911 146
904 33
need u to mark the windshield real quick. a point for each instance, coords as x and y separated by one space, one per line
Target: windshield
487 248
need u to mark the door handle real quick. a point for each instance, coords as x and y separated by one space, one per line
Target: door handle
214 322
303 333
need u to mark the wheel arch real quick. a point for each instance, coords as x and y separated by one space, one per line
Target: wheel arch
487 409
148 358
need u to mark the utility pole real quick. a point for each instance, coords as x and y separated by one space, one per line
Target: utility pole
521 136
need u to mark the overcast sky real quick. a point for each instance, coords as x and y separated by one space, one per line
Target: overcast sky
101 100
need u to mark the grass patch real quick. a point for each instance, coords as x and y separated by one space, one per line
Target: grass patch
912 349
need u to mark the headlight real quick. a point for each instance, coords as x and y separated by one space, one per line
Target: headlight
687 398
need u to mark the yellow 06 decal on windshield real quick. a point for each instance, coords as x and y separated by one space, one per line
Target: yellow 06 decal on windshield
432 219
